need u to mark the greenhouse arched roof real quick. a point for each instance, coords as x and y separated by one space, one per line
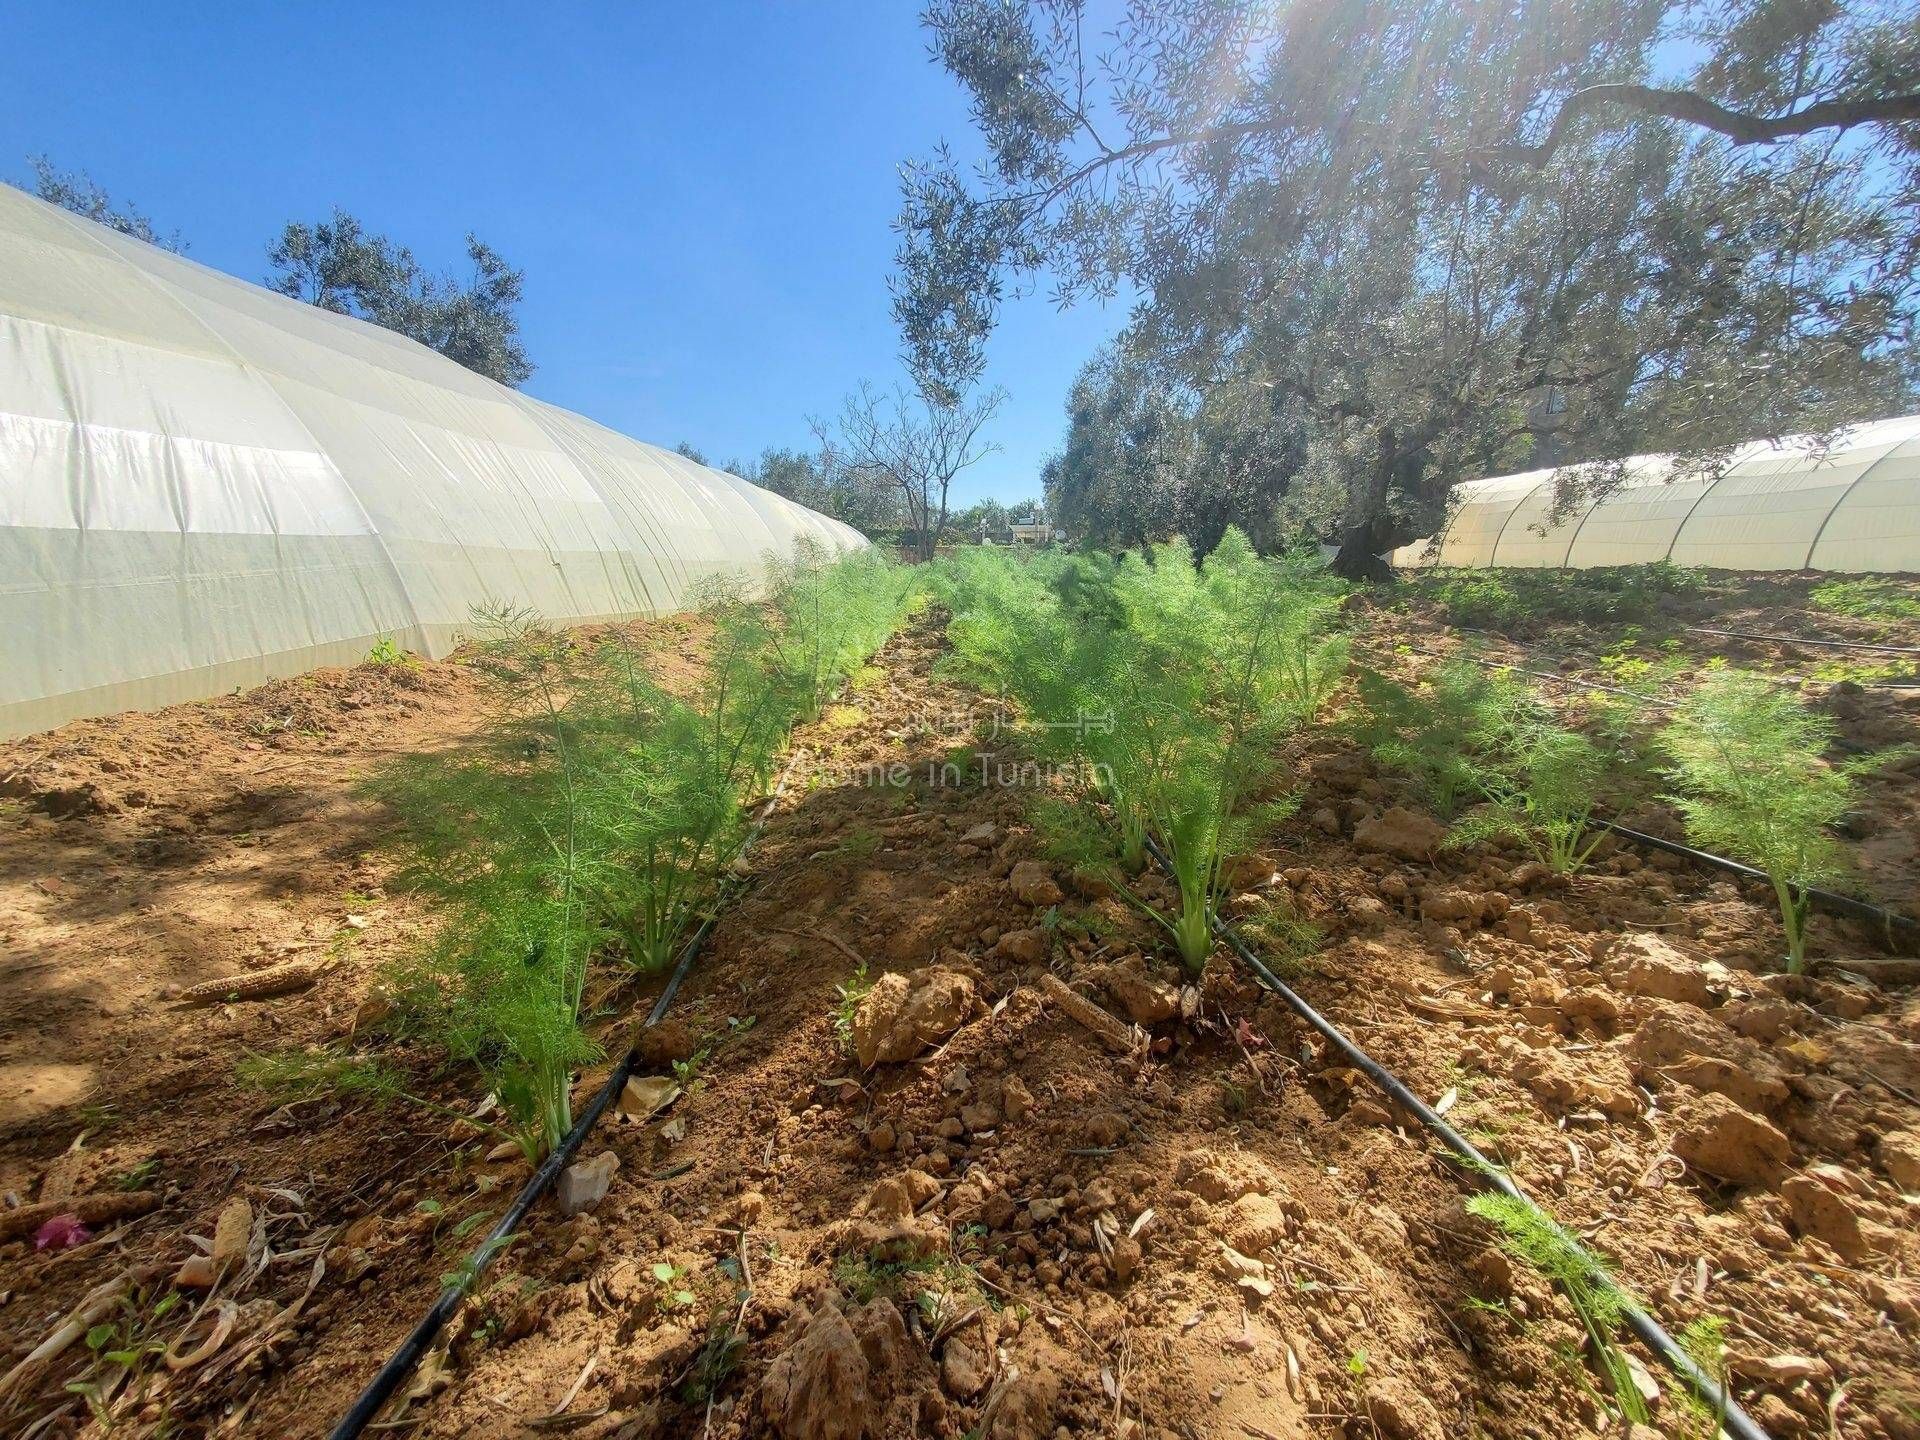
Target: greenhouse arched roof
1851 504
204 485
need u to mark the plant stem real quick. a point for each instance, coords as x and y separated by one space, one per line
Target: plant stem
1793 919
1192 933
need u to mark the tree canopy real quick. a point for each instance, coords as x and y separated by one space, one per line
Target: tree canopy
76 190
339 265
868 502
1390 244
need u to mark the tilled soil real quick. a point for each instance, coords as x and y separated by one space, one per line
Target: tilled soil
1172 1212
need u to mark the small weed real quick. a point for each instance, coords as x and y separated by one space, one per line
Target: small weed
1705 1341
719 1357
851 992
1630 667
1501 599
1596 1297
861 844
687 1071
305 1074
463 1275
673 1293
720 1353
1862 672
139 1177
1284 937
1866 600
121 1352
861 1278
387 651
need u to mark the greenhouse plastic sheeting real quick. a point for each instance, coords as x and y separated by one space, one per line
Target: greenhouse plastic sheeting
204 485
1851 504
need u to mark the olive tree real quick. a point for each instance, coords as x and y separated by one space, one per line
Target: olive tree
1446 236
339 265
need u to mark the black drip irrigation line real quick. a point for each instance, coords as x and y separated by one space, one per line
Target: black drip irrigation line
1806 640
1828 900
400 1364
1733 1420
1552 675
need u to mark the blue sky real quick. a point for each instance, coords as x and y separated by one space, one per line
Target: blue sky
700 195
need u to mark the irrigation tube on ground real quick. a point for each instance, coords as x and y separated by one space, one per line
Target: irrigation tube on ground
400 1364
1827 900
1806 640
1733 1420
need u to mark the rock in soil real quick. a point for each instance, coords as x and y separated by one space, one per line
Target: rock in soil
661 1046
1648 965
584 1183
1022 947
1145 997
853 1376
1399 831
819 1388
1826 1204
1721 1139
1033 884
1899 1156
903 1014
963 1369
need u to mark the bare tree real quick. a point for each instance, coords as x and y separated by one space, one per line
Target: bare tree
902 440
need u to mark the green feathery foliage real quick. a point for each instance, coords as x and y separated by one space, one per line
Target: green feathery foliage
1705 1343
1749 760
304 1074
1596 1297
1525 599
601 809
1466 734
1166 684
1435 731
504 841
832 616
1540 780
1866 599
664 778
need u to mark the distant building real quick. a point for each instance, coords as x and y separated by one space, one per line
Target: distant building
1036 534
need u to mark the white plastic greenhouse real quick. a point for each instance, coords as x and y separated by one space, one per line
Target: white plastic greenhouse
1850 505
204 485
